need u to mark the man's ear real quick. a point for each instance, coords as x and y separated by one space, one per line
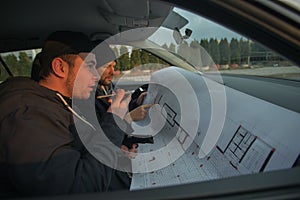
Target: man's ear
59 67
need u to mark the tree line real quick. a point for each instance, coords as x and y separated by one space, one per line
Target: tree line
236 52
206 52
20 65
137 58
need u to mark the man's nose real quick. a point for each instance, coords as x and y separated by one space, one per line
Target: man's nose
112 70
95 73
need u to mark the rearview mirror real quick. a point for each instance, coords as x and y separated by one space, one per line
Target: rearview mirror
178 37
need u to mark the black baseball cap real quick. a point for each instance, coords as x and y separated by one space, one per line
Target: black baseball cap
62 43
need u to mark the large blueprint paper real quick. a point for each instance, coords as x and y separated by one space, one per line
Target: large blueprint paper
256 136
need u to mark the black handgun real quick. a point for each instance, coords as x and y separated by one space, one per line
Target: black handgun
129 140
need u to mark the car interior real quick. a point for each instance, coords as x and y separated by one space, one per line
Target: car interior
222 129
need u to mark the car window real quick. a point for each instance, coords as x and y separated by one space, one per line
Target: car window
136 64
18 62
224 128
228 129
213 48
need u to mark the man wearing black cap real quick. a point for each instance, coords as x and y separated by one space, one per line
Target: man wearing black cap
106 62
40 149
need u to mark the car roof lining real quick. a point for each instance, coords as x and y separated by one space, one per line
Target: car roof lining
39 20
35 20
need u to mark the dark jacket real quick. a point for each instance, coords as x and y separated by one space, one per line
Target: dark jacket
40 149
121 180
102 104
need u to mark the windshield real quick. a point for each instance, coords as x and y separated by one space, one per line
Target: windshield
212 48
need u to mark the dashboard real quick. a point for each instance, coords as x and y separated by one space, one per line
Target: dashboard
204 130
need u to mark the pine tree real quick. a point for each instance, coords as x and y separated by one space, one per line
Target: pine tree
24 64
214 50
135 59
116 51
144 58
204 51
224 52
245 51
124 59
13 64
204 43
235 51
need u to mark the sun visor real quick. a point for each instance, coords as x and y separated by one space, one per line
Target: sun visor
174 20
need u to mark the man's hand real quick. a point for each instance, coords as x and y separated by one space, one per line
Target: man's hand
130 153
138 113
119 105
141 98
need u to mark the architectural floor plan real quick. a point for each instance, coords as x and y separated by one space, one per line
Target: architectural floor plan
251 140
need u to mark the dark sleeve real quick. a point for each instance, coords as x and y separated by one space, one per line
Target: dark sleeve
43 158
115 128
101 109
120 181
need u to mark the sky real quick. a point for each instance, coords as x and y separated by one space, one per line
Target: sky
204 28
201 27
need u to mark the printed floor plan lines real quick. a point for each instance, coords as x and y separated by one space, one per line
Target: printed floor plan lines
248 150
